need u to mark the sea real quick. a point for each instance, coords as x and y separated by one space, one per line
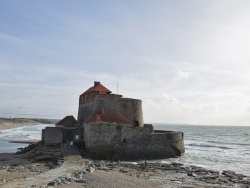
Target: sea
29 132
212 147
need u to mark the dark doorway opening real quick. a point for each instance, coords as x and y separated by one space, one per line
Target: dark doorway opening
136 123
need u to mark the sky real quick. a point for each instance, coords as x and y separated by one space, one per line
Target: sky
188 61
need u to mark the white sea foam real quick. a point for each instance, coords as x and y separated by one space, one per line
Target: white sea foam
30 132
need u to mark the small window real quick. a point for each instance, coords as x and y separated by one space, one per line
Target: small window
124 140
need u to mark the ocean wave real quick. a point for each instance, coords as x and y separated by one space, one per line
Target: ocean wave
209 146
229 143
245 152
22 133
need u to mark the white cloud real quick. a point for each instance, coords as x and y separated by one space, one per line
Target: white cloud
169 100
183 75
188 62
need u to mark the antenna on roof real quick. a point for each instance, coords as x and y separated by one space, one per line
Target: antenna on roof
117 87
94 78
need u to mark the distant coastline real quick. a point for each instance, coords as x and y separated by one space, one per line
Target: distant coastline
10 123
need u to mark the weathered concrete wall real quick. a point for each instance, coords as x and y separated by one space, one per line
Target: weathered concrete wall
148 150
120 141
101 134
101 138
132 143
58 135
134 134
52 135
90 97
130 108
150 127
150 145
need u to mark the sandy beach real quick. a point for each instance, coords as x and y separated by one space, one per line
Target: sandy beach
8 123
4 126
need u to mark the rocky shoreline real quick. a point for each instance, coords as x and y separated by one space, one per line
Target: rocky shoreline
89 173
187 176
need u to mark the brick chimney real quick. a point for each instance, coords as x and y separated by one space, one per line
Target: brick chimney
97 83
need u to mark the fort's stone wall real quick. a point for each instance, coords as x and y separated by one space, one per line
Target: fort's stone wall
57 135
101 138
149 150
132 108
135 134
90 97
102 134
150 145
132 143
52 136
129 108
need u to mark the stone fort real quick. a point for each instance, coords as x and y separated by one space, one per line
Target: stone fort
111 125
